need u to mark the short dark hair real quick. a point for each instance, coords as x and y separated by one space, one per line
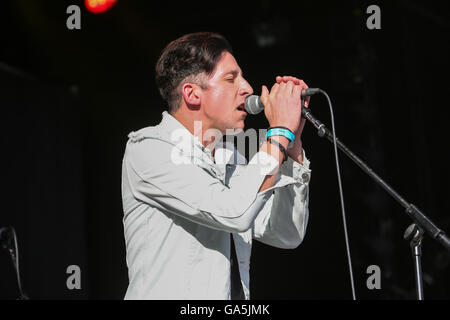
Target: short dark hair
185 59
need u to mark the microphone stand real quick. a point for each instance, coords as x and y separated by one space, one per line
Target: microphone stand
414 233
8 241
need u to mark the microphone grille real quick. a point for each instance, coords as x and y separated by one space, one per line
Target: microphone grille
253 104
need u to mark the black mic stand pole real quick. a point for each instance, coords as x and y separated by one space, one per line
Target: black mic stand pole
421 224
414 235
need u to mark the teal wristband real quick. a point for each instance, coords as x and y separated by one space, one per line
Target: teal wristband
281 132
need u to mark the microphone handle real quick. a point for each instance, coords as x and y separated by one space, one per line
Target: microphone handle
309 92
306 113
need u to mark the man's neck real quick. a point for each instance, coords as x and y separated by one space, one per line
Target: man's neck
196 127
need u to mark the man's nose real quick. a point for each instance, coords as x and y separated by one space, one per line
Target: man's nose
246 88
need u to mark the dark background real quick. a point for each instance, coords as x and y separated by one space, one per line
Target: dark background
70 97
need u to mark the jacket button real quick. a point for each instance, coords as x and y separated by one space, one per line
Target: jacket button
305 177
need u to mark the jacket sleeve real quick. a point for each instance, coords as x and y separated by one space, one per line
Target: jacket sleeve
283 219
190 191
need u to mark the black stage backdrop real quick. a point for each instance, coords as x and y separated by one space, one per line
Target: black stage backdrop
70 97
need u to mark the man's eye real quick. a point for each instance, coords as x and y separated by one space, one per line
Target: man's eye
230 79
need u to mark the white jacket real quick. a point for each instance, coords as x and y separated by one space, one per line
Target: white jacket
180 205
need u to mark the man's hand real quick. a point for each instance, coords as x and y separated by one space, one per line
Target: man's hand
296 152
282 105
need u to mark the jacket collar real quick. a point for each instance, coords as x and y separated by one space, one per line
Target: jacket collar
172 131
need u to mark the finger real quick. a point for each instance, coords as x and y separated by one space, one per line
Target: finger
275 89
283 89
286 79
289 87
304 87
293 79
296 91
307 101
264 94
303 84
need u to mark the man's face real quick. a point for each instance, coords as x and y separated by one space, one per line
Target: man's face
223 100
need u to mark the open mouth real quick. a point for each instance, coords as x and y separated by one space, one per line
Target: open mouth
241 107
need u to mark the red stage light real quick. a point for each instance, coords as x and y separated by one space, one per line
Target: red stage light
98 6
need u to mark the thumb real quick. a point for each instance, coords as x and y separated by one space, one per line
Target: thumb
264 94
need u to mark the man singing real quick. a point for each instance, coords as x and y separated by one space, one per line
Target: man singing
192 204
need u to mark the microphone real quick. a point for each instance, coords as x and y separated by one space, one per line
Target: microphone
253 105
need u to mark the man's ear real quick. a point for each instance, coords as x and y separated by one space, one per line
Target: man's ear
192 94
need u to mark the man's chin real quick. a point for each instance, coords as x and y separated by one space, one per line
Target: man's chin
236 129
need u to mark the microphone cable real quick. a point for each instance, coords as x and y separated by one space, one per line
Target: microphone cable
341 193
